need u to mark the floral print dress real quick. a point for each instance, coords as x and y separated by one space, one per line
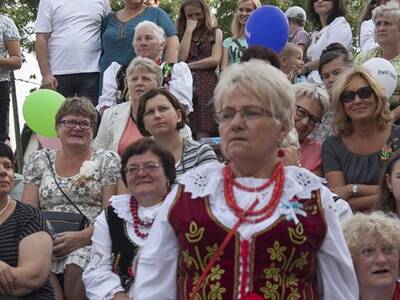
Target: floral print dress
85 190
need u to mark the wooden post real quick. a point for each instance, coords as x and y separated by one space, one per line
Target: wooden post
17 131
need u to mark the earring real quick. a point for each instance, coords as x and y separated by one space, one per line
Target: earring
281 153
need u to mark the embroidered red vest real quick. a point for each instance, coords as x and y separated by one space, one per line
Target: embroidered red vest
283 260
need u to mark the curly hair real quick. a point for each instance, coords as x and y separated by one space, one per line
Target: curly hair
376 224
77 106
342 124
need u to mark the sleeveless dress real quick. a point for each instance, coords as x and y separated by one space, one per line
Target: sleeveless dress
204 82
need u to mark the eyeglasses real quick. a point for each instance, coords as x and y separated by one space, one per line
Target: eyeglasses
84 125
363 93
303 113
148 168
246 112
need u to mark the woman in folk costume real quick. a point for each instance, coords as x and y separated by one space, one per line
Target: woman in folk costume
251 229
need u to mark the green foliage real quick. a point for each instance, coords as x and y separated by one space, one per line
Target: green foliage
23 12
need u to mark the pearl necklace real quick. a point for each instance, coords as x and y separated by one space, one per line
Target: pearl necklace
4 208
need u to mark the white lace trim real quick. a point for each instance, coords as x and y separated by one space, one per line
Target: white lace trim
121 205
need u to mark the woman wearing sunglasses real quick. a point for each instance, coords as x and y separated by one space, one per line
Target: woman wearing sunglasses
329 17
352 159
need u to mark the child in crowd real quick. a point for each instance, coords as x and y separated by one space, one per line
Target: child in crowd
291 62
297 19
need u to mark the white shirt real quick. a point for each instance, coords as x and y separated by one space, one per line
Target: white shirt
338 31
74 27
156 273
367 36
180 85
101 283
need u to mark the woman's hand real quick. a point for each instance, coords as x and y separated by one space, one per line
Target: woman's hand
191 24
67 242
7 279
121 296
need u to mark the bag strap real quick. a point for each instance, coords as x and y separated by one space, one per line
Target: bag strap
61 190
241 48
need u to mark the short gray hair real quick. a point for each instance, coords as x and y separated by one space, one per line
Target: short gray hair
315 93
144 64
267 83
158 31
389 10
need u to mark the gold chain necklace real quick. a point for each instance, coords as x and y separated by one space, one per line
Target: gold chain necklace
5 207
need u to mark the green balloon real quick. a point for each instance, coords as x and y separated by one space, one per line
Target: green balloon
39 110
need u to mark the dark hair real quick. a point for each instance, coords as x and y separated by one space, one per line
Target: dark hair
5 151
148 144
151 94
207 24
339 10
386 201
332 52
262 53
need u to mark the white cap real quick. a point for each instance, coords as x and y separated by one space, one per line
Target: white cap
296 12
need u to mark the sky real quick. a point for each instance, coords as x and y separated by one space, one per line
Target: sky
29 67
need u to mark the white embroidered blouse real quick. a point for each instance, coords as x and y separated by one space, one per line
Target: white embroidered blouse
156 271
100 281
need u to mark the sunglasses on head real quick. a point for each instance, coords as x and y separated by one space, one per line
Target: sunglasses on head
363 93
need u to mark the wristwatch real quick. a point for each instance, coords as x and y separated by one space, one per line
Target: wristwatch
354 189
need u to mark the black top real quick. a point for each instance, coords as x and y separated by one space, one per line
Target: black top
356 168
24 221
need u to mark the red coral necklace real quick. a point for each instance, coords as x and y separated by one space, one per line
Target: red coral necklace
266 211
137 221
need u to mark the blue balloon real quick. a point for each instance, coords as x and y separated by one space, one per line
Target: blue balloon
268 27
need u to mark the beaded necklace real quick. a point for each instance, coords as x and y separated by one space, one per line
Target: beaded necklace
134 207
2 211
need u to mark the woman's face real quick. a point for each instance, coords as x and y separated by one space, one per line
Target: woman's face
194 13
145 177
160 117
146 44
387 31
244 10
376 264
6 176
74 131
308 116
393 181
361 107
140 82
252 132
323 7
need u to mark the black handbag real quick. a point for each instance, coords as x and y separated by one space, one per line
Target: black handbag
65 221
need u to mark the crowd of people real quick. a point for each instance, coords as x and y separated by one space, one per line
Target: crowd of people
300 199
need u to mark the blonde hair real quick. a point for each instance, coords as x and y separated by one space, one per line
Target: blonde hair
258 79
144 64
377 224
237 29
290 49
341 123
313 92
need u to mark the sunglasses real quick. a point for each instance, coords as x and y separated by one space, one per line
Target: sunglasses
363 93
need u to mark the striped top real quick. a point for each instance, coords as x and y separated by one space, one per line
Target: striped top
194 154
24 221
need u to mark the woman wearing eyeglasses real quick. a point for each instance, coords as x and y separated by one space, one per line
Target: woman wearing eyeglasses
87 176
329 17
251 229
352 159
311 104
121 230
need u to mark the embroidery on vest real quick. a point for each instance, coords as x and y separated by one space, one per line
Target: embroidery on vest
212 288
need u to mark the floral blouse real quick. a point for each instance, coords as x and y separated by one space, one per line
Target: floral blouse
84 189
